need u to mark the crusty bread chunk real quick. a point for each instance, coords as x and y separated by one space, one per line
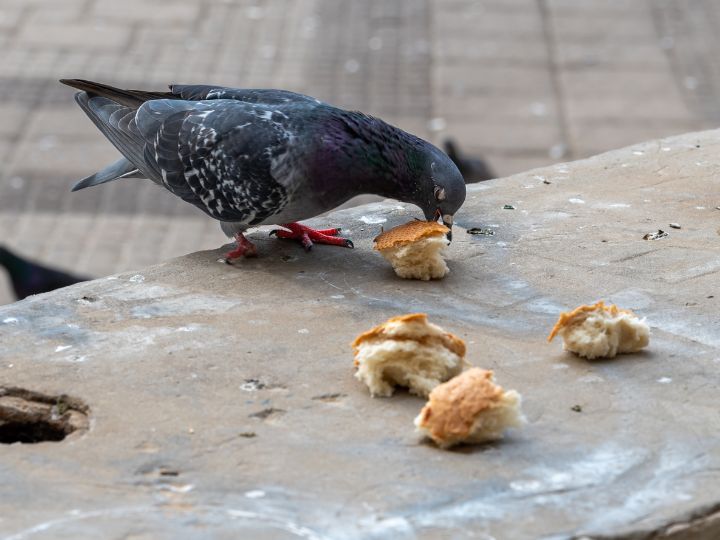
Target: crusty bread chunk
407 351
470 408
600 331
415 249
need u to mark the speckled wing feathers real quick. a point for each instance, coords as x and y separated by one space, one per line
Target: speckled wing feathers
202 152
224 156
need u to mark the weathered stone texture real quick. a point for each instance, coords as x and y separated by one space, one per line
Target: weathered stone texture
222 400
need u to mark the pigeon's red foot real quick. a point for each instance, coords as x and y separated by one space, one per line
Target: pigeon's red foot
244 248
307 236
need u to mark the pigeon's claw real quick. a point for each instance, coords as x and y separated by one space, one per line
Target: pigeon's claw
244 248
308 236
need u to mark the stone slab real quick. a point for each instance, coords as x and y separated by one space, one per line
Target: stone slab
589 135
223 405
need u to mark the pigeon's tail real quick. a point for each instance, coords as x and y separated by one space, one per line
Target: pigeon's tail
129 98
122 168
113 111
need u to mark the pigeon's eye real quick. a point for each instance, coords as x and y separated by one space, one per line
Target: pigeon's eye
439 193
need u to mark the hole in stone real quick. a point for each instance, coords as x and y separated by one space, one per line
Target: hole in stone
31 417
34 432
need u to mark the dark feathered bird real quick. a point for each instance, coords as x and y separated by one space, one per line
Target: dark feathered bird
255 157
30 278
473 169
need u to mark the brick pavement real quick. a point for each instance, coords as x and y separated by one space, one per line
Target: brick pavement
522 82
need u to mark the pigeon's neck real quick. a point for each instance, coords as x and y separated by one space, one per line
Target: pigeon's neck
379 158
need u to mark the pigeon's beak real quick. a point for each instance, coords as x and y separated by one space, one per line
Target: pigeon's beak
447 220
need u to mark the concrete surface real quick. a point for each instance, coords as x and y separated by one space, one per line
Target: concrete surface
222 402
523 83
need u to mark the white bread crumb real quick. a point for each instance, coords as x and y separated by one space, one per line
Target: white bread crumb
415 249
471 408
420 260
600 331
407 351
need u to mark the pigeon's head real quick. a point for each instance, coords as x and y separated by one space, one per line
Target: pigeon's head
444 190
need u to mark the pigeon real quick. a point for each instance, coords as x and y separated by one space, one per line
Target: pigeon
473 169
250 157
30 278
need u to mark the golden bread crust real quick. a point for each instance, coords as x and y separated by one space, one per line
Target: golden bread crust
581 313
450 341
454 406
380 328
408 233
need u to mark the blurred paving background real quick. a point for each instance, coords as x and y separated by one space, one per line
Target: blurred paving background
522 83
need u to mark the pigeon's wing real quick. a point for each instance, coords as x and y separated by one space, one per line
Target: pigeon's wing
199 92
226 155
221 156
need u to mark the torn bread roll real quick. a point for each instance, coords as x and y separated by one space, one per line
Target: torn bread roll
600 331
407 351
471 408
415 249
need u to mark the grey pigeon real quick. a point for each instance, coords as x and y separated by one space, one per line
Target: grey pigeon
473 169
28 277
253 157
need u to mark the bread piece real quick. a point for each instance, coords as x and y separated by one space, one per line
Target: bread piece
600 331
415 249
407 351
470 408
